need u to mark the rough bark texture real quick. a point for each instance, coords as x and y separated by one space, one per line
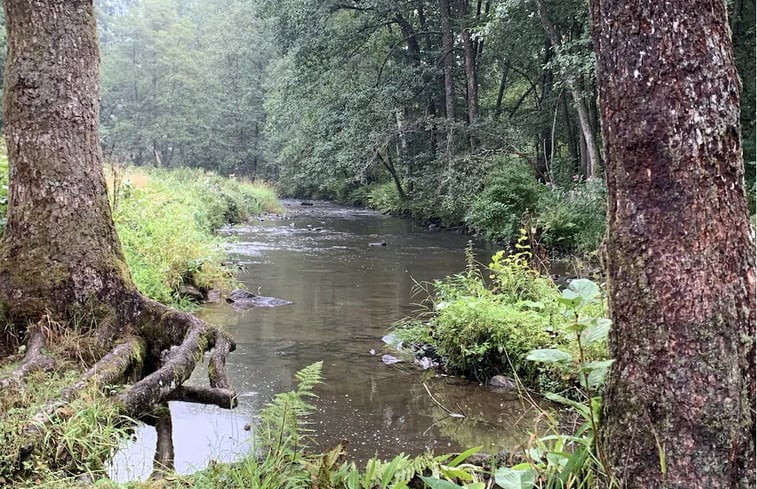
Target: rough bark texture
679 409
60 248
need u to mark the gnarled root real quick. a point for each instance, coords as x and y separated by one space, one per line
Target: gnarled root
170 341
33 360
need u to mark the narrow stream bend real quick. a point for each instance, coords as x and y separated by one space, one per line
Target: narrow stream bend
346 294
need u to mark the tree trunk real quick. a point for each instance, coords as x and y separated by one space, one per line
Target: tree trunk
680 402
469 53
584 118
60 250
448 63
60 257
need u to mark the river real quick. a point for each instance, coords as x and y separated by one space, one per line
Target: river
346 292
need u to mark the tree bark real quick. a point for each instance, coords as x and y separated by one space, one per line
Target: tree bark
680 402
60 256
60 248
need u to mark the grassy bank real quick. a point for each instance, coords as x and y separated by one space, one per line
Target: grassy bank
166 221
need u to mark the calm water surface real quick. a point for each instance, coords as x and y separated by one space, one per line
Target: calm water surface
346 294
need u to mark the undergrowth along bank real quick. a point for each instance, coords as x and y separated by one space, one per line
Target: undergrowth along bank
166 220
486 320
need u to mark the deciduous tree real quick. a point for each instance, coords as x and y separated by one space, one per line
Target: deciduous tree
680 404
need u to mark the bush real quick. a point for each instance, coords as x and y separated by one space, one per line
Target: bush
482 327
573 220
498 211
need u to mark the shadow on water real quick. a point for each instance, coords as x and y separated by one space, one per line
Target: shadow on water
347 290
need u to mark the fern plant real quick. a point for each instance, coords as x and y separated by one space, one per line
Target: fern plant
283 424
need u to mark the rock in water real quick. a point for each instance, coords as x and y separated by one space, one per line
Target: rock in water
500 382
243 299
380 243
191 292
390 359
214 296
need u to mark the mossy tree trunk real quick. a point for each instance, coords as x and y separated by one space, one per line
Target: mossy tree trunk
60 251
679 408
60 257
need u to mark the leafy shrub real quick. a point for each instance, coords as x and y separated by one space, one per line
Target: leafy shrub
385 198
486 327
573 220
498 211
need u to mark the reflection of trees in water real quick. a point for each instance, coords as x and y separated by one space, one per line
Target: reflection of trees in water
492 420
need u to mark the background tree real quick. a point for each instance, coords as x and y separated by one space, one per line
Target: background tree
680 404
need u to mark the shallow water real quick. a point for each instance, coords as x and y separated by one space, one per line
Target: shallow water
346 294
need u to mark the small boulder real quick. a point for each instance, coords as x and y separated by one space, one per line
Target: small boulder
500 382
306 203
242 299
390 359
214 296
191 292
380 243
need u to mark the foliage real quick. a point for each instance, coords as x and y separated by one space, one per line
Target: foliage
165 220
499 210
576 460
573 219
486 327
80 437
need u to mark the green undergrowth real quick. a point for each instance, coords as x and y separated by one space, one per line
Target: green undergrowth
566 217
485 322
79 439
166 221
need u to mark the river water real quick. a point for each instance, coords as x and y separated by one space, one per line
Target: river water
346 293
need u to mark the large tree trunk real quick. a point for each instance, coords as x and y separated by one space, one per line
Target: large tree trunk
679 408
60 250
60 256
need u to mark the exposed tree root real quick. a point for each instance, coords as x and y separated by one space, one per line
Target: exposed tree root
34 359
163 461
167 341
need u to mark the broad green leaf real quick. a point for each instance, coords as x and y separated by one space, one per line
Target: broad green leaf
581 408
583 289
460 458
511 478
596 332
595 373
476 485
549 355
435 483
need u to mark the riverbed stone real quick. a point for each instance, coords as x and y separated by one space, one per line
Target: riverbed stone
191 292
243 299
503 383
214 296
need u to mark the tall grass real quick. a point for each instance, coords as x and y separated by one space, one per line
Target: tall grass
166 221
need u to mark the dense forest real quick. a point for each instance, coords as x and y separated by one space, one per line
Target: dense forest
482 114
